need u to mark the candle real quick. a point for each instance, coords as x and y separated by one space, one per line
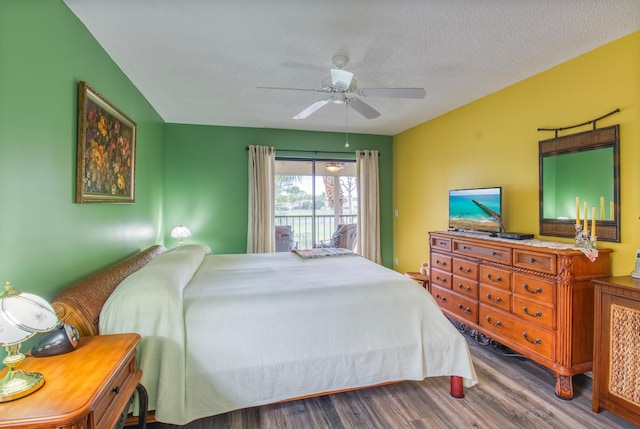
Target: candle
601 208
586 222
577 210
593 221
610 210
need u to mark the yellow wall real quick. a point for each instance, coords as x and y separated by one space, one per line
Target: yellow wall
494 142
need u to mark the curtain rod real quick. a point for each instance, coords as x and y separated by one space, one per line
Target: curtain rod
315 151
593 121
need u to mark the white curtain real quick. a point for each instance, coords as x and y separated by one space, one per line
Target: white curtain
368 205
261 229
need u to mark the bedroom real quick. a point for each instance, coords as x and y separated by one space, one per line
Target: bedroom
46 50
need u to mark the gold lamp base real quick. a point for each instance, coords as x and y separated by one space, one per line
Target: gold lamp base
17 384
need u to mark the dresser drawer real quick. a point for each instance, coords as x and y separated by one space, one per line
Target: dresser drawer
463 308
496 297
495 277
491 253
441 243
543 262
465 287
440 278
441 262
465 268
534 288
534 312
539 341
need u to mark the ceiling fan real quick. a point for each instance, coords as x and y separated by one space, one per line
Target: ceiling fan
342 88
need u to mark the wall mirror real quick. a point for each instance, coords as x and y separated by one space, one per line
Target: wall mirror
577 169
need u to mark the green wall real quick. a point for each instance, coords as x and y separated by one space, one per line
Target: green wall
47 240
207 178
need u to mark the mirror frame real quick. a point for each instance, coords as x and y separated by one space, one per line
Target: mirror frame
608 230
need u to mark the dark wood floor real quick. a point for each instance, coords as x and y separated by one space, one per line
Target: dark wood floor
512 393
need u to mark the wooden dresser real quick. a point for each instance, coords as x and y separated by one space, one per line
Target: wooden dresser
87 388
616 363
535 300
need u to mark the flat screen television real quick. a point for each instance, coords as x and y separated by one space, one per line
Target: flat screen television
477 209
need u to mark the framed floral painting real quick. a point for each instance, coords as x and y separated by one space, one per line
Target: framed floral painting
106 150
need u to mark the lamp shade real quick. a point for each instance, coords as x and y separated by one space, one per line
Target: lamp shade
29 312
21 316
10 334
180 232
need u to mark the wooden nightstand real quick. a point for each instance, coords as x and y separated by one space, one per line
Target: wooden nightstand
615 366
86 388
419 277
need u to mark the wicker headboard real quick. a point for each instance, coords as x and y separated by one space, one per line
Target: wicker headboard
80 304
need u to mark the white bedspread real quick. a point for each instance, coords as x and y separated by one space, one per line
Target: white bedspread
266 327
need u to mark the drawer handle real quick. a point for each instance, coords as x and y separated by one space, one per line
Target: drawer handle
497 300
498 323
441 298
116 390
536 341
441 279
461 268
526 287
465 248
532 260
536 314
442 264
490 277
494 253
464 289
464 310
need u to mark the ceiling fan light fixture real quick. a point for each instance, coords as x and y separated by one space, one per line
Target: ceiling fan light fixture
338 98
341 79
334 167
326 84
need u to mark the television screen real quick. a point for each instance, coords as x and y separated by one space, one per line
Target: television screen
478 209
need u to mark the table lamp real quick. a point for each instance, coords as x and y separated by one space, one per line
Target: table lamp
22 315
180 232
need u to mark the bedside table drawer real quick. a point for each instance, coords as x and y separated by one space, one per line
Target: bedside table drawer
116 394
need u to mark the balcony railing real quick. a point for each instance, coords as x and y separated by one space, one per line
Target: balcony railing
302 227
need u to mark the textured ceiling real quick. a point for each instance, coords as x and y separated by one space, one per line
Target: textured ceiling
201 61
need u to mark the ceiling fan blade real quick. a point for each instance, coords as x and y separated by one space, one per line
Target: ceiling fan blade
288 89
393 92
363 108
341 79
309 110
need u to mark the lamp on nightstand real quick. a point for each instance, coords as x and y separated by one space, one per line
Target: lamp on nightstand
180 232
22 315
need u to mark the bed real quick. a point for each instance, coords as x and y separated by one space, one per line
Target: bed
225 332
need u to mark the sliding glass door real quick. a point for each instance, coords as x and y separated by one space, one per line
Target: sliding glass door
314 197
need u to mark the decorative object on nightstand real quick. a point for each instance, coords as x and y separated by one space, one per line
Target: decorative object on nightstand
22 315
180 232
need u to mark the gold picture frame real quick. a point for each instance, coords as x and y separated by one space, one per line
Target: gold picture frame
106 150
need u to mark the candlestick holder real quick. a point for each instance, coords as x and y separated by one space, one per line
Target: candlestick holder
583 239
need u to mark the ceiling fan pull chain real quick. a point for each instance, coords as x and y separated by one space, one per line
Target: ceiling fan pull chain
346 116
